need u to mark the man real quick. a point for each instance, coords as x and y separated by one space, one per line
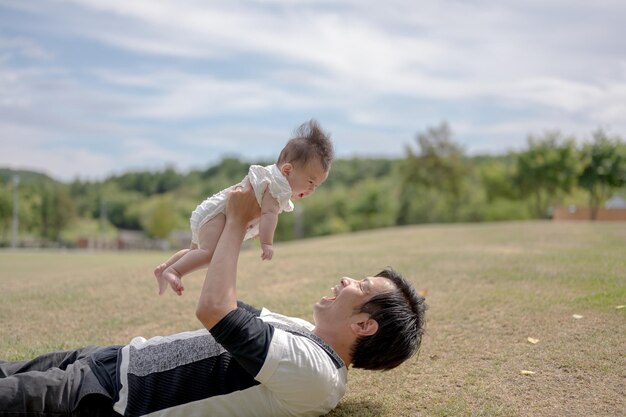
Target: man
246 362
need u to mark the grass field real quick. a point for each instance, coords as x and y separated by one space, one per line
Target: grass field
489 288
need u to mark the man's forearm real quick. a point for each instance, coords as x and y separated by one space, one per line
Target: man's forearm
219 293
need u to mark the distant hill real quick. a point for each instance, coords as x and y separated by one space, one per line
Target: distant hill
26 177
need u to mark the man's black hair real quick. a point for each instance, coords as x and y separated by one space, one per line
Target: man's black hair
400 317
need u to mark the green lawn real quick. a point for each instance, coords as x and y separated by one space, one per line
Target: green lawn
489 287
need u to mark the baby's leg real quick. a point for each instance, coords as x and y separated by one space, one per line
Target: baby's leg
208 237
158 271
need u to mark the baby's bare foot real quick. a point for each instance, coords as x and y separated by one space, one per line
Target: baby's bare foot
158 274
173 278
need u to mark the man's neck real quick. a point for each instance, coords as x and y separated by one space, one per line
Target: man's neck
341 345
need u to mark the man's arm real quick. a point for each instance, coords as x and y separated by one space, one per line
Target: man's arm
219 294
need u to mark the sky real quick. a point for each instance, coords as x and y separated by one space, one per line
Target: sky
92 88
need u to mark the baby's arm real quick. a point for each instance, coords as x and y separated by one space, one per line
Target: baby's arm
267 224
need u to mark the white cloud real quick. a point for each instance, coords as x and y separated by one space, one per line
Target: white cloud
23 47
177 95
31 148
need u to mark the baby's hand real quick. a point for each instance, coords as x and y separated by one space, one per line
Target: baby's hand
268 251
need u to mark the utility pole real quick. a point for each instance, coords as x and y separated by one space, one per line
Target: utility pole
16 182
103 218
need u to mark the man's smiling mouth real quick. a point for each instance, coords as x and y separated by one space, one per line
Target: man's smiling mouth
333 297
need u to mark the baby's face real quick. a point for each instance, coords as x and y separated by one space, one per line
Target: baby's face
304 179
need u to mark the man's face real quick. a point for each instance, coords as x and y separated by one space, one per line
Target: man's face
348 296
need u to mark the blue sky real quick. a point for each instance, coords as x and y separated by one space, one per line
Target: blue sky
89 88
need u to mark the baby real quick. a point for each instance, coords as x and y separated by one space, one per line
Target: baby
302 166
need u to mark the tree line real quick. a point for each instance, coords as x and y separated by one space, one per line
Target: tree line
436 181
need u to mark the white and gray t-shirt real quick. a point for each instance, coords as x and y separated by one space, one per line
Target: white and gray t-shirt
252 363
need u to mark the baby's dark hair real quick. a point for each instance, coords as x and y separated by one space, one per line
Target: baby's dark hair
309 141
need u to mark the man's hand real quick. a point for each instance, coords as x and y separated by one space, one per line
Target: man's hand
242 205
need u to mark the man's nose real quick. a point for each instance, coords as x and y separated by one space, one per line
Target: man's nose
345 281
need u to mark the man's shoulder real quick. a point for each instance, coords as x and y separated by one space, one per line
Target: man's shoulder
297 350
271 317
302 328
302 374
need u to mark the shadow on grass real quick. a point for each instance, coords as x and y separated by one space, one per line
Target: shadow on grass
355 407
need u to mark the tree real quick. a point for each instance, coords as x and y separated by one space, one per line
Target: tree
6 212
604 168
549 167
348 172
371 204
160 217
497 176
56 211
438 165
325 213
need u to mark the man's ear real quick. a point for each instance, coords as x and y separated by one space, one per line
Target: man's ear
286 168
366 327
